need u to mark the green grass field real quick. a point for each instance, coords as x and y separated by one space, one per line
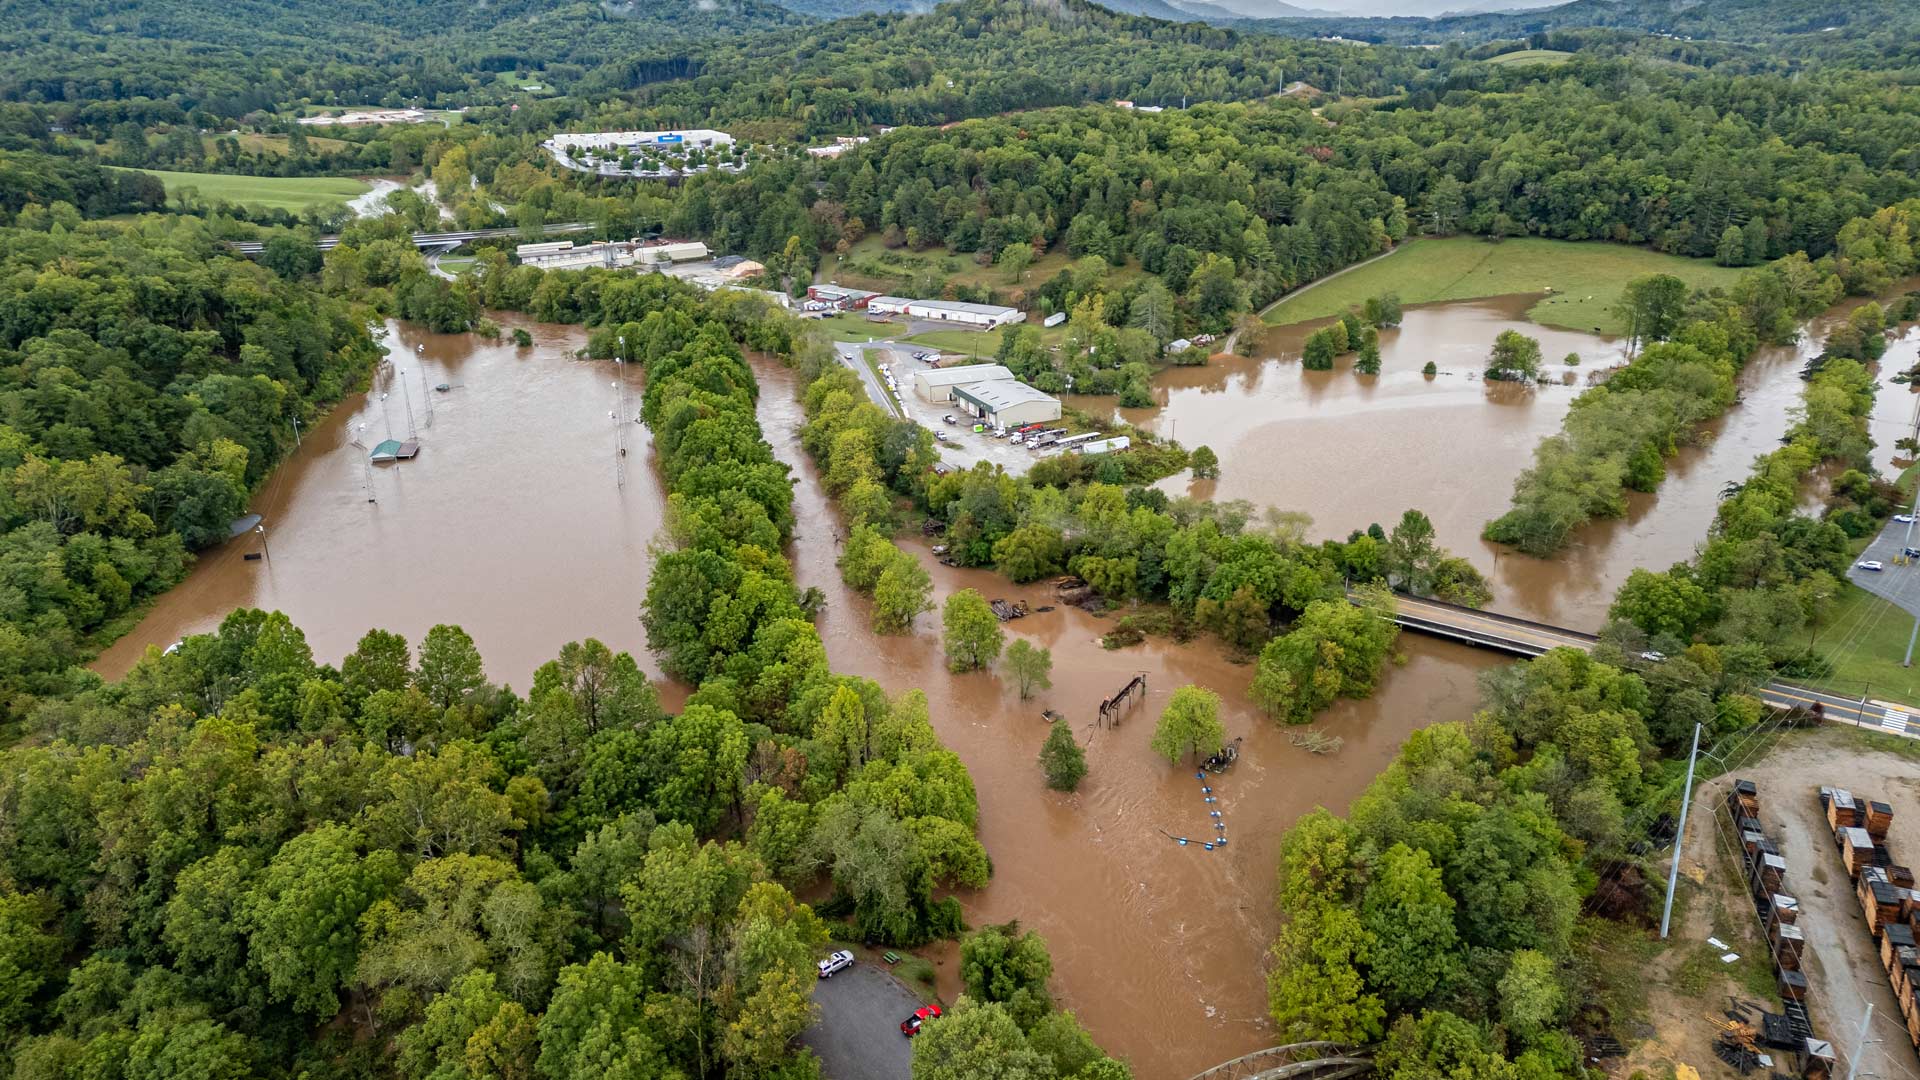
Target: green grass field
851 326
1585 278
969 342
1865 637
1532 56
274 192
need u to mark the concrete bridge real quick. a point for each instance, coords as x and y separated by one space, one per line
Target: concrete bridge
1526 638
428 241
1294 1061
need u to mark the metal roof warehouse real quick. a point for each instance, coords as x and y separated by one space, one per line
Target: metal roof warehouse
1007 402
965 373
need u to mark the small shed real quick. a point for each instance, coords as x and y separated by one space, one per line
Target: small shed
395 450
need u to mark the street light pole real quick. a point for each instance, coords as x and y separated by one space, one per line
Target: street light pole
1680 835
1906 543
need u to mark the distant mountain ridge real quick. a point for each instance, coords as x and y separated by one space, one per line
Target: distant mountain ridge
1212 11
1725 20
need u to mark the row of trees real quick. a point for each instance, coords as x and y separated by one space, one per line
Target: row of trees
722 611
1691 347
1619 433
1767 572
1354 331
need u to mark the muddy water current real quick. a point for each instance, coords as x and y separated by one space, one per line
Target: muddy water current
521 522
1352 450
1158 948
510 522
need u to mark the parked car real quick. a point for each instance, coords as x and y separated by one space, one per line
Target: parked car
1652 657
835 963
1911 553
912 1024
1903 518
939 436
1870 564
949 419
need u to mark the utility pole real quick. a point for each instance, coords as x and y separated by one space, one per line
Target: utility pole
1906 543
262 530
1680 835
1860 1044
296 433
620 416
427 393
406 396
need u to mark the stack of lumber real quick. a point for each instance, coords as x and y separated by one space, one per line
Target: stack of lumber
1766 870
1885 891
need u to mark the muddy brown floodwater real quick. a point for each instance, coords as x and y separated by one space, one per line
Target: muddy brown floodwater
1355 450
509 523
1160 949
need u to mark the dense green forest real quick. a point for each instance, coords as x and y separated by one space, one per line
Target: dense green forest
242 861
238 861
147 383
1879 32
1231 205
233 58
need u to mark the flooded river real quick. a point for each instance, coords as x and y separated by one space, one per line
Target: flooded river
1160 949
509 523
1355 450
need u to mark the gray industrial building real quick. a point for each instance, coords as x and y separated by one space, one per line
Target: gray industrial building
937 384
1006 403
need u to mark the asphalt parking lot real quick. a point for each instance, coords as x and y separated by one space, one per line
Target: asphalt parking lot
1896 583
858 1036
963 447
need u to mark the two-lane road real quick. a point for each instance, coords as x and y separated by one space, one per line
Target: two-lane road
1523 637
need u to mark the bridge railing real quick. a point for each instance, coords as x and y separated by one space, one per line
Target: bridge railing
1495 616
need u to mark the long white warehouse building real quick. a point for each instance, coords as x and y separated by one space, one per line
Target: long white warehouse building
980 316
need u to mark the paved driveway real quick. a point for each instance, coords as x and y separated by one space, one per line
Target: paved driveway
1898 584
858 1036
853 355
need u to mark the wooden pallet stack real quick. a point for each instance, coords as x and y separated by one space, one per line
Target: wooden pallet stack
1885 890
1766 871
